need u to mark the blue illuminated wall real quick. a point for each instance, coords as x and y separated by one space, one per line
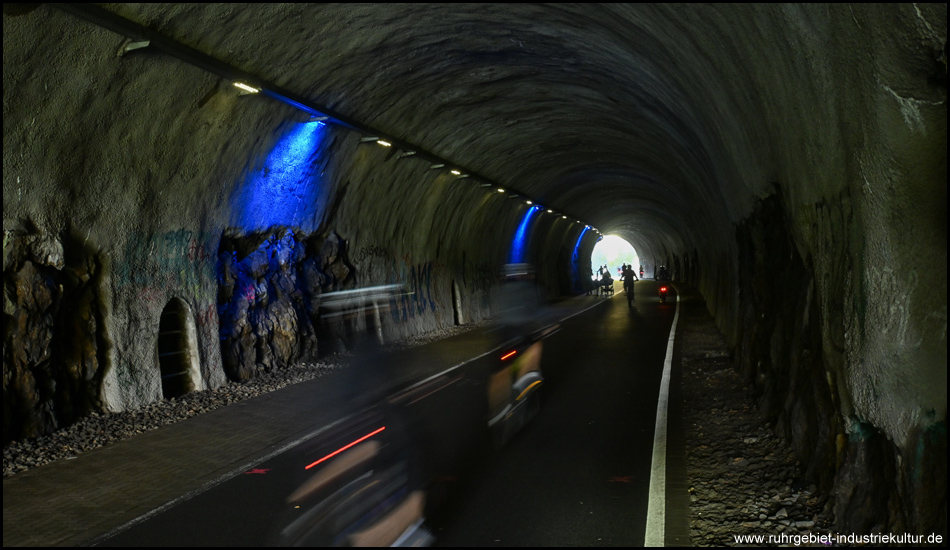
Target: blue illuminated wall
576 265
286 190
518 244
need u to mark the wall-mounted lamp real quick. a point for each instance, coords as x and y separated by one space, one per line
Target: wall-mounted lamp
436 166
130 45
319 118
500 190
456 173
407 154
246 88
376 139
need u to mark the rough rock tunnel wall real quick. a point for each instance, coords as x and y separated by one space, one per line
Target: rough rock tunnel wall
163 183
790 161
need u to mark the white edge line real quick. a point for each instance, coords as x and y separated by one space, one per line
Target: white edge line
287 446
655 534
495 350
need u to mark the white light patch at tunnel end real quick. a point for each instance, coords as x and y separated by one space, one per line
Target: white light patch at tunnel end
613 251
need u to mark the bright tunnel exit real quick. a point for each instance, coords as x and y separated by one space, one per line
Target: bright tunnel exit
613 252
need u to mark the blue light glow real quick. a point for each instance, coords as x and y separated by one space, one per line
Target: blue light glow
286 190
521 236
575 261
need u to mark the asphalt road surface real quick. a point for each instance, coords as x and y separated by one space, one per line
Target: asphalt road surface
579 474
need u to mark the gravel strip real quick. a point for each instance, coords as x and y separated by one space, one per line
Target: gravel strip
100 429
743 479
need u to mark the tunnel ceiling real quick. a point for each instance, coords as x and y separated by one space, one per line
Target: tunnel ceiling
655 122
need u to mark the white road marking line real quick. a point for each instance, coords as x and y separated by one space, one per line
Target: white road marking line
656 507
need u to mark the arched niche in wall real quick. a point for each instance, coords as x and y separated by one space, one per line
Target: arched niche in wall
177 350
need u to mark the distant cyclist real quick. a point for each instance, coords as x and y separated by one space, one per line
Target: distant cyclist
628 278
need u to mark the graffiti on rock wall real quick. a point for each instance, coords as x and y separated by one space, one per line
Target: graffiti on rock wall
176 257
481 279
207 315
372 271
154 263
416 300
417 297
371 251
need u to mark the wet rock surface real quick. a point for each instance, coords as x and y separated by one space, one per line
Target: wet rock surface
52 341
743 479
268 298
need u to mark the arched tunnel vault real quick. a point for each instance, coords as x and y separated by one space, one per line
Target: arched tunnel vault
787 160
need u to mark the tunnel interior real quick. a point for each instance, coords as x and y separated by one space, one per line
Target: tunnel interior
788 161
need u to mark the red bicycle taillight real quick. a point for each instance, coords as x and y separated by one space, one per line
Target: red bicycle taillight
345 447
662 289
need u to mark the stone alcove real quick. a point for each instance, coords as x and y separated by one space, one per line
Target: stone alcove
176 350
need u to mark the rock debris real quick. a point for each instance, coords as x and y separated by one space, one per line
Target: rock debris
742 478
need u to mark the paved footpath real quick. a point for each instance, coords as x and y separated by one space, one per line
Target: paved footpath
79 501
